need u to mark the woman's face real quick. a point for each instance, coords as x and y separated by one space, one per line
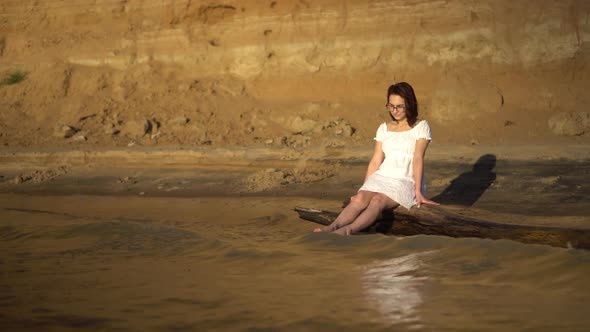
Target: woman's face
397 107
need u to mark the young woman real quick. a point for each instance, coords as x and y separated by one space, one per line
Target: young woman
395 173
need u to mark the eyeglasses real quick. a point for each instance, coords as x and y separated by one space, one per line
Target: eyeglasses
392 107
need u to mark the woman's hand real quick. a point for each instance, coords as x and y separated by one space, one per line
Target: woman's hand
423 200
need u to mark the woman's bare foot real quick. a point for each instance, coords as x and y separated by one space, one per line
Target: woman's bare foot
346 231
318 230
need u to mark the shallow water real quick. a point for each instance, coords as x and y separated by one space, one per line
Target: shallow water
249 264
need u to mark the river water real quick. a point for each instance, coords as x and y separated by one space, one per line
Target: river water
249 264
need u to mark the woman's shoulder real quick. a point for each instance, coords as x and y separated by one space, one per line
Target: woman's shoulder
383 127
421 123
422 130
381 132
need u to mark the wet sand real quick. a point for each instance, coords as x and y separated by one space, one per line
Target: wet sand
539 184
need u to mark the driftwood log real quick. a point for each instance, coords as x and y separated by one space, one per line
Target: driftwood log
434 220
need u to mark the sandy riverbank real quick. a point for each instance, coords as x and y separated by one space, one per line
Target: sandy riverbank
544 185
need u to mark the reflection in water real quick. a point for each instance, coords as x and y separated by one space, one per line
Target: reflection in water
393 287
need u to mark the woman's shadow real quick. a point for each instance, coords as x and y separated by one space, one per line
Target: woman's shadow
468 187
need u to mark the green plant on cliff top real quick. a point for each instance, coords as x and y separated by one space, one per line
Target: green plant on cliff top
14 77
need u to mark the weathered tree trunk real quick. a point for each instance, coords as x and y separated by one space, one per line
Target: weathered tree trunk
436 221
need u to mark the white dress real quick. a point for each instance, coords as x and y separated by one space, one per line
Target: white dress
395 177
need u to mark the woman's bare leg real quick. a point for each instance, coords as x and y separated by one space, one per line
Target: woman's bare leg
357 204
378 203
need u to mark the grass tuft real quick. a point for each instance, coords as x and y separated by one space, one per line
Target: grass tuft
14 77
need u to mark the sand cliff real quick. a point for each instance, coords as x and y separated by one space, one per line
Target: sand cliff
290 73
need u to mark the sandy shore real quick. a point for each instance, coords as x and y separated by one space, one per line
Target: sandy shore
544 185
176 157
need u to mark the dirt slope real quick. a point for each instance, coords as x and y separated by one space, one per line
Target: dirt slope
289 73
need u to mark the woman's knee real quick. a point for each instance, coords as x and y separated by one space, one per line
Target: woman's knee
361 199
379 201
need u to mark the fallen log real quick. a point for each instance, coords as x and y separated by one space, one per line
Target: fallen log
433 220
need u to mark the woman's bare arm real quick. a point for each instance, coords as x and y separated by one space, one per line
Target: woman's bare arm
376 160
418 170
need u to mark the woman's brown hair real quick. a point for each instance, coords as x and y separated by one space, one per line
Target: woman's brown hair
405 91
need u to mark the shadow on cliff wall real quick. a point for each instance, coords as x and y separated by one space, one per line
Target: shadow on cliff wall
468 187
